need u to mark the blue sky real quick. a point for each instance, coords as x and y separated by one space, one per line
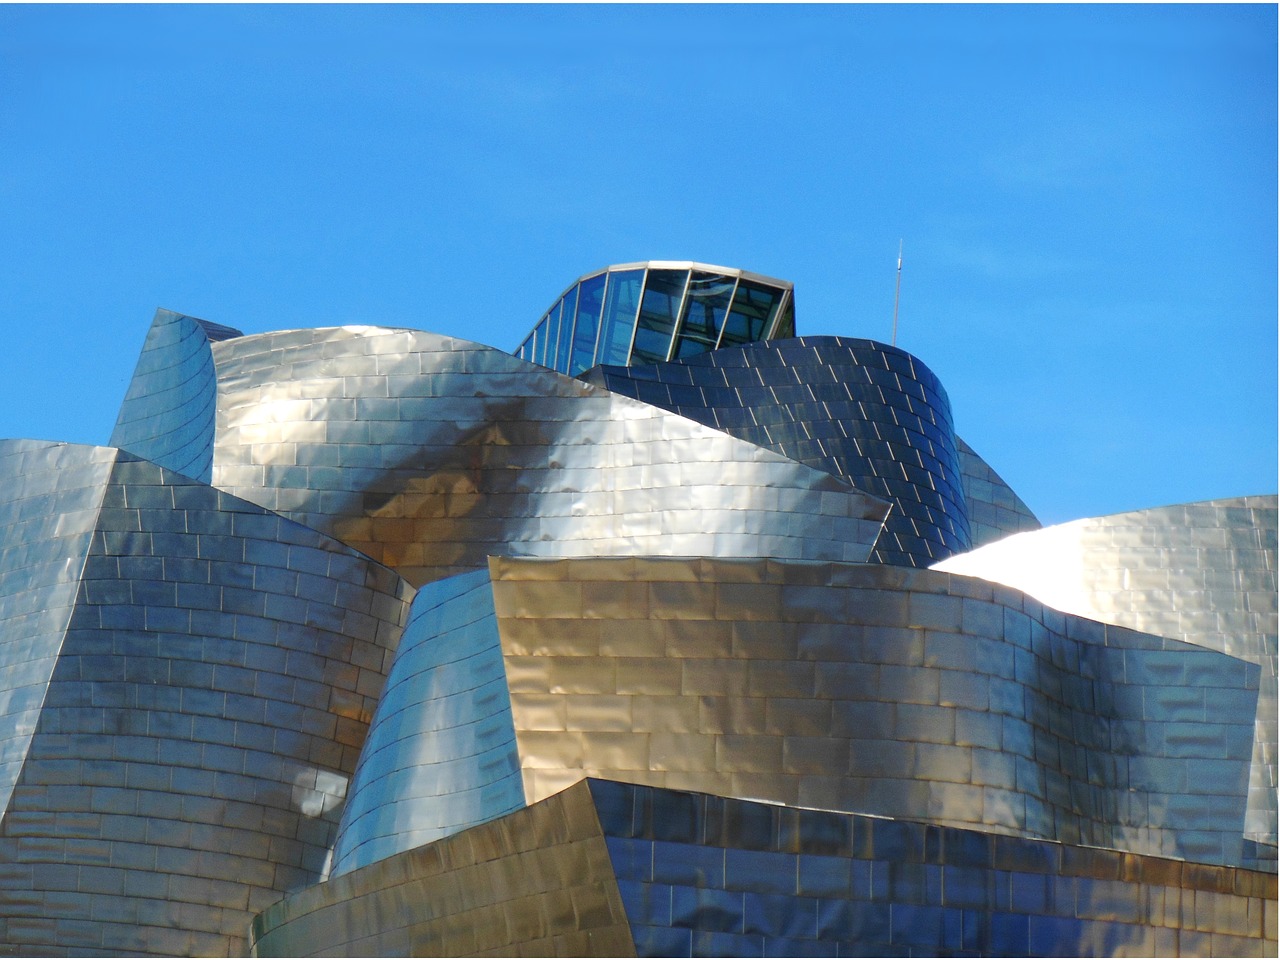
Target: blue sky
1087 197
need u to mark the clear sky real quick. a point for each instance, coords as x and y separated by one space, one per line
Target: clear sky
1086 194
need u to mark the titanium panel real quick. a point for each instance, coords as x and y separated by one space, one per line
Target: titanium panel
614 869
430 453
50 494
538 882
863 411
210 694
441 752
169 409
1203 573
863 688
995 511
712 876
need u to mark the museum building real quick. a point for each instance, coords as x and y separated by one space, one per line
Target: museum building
671 634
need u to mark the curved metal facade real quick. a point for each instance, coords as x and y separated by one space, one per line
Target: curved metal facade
864 688
615 869
444 755
224 699
196 719
1204 573
864 411
430 453
995 511
658 310
168 412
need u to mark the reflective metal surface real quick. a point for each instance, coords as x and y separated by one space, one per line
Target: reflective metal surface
193 720
197 710
849 687
50 494
168 412
443 756
536 883
613 869
658 310
995 511
862 411
1204 573
430 453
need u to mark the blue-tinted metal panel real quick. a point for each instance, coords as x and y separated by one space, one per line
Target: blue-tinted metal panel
860 431
168 412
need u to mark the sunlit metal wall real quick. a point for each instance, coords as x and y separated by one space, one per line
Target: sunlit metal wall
430 453
50 494
613 869
852 687
1200 572
208 699
863 411
168 411
538 882
995 511
441 754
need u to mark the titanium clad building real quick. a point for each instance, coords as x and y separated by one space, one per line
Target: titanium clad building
672 634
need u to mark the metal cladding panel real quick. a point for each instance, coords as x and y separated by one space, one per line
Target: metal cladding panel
995 511
1204 573
614 869
430 453
863 411
168 412
535 883
50 495
710 876
874 689
441 752
192 752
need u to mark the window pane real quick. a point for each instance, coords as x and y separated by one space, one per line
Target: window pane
539 354
569 304
620 304
590 300
787 322
753 308
704 313
658 310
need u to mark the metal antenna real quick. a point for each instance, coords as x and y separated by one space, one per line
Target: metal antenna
897 291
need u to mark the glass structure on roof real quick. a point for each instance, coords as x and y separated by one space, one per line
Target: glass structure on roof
656 311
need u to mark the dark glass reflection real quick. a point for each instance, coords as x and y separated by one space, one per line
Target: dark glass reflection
704 312
590 302
539 354
753 308
620 303
569 306
659 310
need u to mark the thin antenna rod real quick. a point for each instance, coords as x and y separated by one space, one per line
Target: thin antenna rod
897 291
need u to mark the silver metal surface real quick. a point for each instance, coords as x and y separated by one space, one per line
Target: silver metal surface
863 411
430 453
445 756
50 494
995 511
538 882
168 412
612 869
866 688
197 710
1204 573
193 720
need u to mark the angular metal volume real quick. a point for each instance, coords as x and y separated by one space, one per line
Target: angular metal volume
430 454
189 679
